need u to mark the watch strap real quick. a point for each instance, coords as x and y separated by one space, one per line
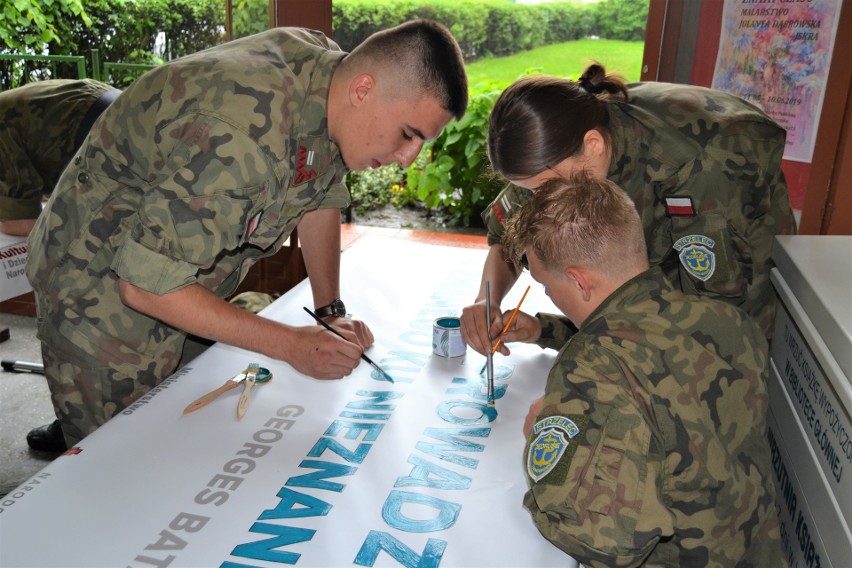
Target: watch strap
335 309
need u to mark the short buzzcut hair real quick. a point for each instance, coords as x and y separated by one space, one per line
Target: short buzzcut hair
579 221
425 58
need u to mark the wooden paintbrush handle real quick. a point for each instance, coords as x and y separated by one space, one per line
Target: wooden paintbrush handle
242 405
211 396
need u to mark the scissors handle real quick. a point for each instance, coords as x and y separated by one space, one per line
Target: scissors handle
211 396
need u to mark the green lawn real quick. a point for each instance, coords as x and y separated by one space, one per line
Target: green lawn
563 60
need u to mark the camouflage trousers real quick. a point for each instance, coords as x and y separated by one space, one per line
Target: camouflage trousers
86 392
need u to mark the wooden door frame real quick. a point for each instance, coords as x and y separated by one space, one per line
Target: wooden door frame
314 14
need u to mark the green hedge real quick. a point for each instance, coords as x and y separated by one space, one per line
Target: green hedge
494 27
126 30
450 176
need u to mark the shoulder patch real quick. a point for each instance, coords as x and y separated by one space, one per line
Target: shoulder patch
679 205
697 256
552 443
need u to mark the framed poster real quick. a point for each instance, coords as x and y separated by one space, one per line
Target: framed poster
776 54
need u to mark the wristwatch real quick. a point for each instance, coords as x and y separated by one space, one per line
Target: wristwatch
336 309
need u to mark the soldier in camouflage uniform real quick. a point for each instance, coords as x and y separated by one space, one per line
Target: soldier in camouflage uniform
203 166
649 445
41 126
702 166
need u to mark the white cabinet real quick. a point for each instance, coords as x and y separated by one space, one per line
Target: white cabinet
810 398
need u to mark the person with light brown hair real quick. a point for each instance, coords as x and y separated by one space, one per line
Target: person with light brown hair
649 445
703 168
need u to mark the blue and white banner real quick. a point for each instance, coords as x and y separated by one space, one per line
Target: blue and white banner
355 472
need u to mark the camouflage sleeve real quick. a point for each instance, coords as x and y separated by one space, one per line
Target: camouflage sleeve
20 182
38 130
23 208
555 331
509 200
744 204
593 475
772 217
338 196
209 187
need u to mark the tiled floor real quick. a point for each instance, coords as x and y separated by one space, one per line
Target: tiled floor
25 399
351 233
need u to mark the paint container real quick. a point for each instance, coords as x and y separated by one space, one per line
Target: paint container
447 337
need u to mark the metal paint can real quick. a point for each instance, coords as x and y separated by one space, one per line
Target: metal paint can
447 338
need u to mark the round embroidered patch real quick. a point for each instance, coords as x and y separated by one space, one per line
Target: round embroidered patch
696 255
552 438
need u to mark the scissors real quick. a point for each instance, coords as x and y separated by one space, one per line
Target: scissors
253 374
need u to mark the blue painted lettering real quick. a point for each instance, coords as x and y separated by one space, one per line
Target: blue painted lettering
446 516
351 456
265 549
454 444
426 474
378 541
294 504
481 413
353 429
477 389
315 479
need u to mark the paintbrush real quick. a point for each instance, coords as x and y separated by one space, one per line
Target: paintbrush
505 327
489 358
363 356
509 322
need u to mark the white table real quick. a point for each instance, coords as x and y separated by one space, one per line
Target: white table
356 472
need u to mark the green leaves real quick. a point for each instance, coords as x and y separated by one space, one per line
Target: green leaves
29 24
451 173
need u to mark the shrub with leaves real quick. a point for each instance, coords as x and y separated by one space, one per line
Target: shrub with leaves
452 172
376 187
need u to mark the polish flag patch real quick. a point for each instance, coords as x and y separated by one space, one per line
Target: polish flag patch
677 205
253 224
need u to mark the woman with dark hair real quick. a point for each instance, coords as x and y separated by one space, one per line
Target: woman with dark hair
703 168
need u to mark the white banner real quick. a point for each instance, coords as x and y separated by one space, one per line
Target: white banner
356 472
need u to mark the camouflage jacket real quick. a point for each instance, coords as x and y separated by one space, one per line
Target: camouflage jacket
704 170
201 167
650 447
39 123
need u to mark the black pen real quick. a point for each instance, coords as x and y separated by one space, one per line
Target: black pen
335 332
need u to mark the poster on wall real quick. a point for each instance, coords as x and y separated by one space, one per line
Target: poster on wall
776 54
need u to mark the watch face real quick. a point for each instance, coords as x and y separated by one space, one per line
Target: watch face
339 308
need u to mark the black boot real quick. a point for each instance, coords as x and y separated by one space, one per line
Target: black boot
47 438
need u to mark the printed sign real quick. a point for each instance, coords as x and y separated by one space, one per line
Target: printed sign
13 262
823 418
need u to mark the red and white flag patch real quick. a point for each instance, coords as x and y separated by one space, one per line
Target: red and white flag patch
679 205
